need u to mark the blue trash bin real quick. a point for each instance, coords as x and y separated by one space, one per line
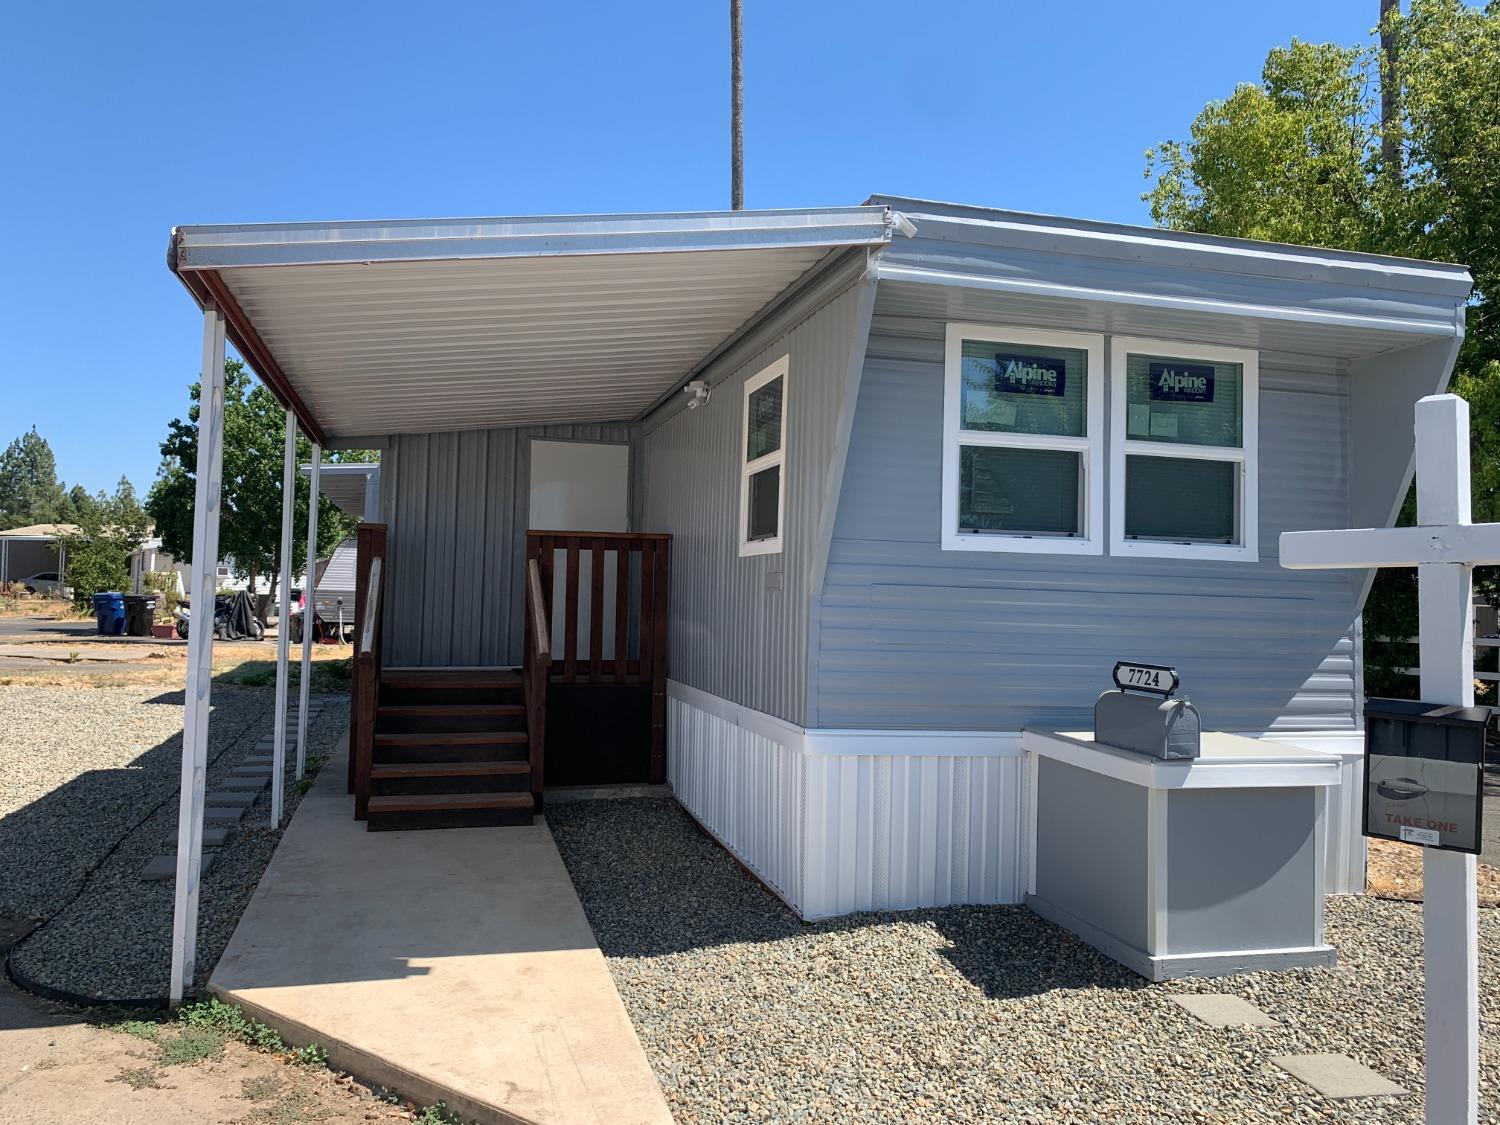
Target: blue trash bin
109 613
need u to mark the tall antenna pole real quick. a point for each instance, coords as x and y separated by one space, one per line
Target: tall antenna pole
737 107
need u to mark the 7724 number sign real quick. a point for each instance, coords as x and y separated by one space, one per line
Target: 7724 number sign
1146 677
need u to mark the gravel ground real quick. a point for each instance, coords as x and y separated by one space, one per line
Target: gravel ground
88 793
970 1014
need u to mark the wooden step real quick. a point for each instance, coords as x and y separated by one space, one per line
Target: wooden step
395 718
447 810
448 769
481 679
443 710
451 738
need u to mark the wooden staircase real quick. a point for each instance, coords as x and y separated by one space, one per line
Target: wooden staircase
450 750
466 747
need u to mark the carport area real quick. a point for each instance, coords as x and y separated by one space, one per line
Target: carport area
453 966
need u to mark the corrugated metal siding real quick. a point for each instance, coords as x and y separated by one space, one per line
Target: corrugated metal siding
913 636
902 832
739 625
745 787
337 581
835 833
456 504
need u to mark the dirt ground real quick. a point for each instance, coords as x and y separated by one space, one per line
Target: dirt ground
139 662
1395 871
60 1067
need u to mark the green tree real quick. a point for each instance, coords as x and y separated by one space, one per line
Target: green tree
250 516
1317 153
29 489
98 555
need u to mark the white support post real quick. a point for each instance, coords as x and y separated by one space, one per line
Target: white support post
206 502
309 611
1450 905
283 617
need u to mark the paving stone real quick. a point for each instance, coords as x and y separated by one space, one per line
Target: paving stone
250 771
254 784
164 867
1337 1076
222 815
213 837
232 798
1220 1009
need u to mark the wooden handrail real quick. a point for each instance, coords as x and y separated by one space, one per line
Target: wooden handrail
541 629
372 610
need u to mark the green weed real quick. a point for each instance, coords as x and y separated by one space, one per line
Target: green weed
138 1078
231 1023
191 1044
140 1029
312 1055
261 1088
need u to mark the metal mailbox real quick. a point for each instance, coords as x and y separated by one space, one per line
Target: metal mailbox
1144 715
1424 773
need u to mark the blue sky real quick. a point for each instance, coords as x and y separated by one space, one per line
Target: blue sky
119 120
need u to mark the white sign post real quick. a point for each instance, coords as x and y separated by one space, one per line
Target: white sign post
1444 547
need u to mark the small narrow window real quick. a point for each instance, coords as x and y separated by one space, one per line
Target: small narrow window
1184 467
1023 424
763 461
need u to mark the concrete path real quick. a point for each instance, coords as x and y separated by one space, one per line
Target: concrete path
452 965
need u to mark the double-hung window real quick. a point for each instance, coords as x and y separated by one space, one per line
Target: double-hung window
763 461
1023 429
1183 464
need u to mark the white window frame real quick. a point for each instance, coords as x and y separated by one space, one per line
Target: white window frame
1090 447
1247 498
780 369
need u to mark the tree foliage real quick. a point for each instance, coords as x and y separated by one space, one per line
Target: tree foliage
250 515
1304 157
29 489
98 554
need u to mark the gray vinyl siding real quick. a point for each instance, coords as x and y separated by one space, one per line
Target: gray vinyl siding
739 626
456 504
911 636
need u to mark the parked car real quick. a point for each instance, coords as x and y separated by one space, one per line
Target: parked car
44 582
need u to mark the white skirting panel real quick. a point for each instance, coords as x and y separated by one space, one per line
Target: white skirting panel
1345 847
836 821
743 785
900 831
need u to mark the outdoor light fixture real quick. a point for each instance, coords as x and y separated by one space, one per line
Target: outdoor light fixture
700 392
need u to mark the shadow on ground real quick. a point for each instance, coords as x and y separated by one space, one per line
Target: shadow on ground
652 884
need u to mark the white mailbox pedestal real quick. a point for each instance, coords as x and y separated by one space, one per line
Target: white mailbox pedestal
1201 867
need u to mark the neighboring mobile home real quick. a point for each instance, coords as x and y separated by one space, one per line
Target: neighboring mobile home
938 469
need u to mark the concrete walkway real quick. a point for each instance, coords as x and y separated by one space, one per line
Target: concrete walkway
452 965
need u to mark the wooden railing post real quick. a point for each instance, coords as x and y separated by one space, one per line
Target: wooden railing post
536 663
365 673
662 582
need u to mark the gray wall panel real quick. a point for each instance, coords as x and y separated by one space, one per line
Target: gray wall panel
740 625
1090 855
913 636
1262 843
456 504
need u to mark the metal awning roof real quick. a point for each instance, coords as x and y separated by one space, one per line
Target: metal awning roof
396 327
346 484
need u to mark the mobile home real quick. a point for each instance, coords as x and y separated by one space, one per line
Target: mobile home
809 513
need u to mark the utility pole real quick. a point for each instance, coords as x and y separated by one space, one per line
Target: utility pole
1390 92
737 106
